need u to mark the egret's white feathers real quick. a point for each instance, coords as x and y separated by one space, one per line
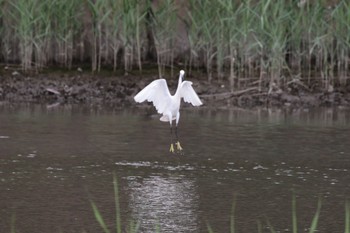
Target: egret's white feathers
165 103
156 92
190 96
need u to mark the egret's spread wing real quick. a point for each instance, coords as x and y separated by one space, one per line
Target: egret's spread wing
156 92
188 93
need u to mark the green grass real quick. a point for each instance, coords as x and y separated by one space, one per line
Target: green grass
265 42
262 225
268 225
133 227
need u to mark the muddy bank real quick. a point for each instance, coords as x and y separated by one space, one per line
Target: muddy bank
118 91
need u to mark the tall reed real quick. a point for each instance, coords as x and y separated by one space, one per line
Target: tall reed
114 23
271 36
203 30
133 15
64 21
164 23
100 11
23 14
341 17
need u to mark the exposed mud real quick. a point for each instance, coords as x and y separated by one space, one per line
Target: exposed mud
118 91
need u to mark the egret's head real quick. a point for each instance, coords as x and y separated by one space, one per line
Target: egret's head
182 74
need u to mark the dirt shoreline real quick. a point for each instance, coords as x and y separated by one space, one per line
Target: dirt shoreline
118 91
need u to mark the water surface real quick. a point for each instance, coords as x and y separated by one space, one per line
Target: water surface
53 161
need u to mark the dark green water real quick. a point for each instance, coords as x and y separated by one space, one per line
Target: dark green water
52 161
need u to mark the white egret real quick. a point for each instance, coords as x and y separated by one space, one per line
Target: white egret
169 105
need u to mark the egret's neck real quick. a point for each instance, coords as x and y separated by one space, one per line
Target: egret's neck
178 85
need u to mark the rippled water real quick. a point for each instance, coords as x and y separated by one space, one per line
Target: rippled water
53 161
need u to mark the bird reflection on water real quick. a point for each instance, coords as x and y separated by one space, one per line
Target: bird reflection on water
158 200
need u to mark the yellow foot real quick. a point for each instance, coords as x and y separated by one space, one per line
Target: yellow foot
171 148
178 146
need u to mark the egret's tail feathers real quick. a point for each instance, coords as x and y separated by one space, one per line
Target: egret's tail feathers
166 118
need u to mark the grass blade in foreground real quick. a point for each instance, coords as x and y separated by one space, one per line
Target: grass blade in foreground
99 217
316 217
232 222
347 217
210 230
232 219
294 215
134 227
117 207
259 226
269 225
13 221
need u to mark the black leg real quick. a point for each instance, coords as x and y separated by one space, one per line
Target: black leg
177 137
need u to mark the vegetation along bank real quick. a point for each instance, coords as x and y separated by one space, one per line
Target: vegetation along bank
246 53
